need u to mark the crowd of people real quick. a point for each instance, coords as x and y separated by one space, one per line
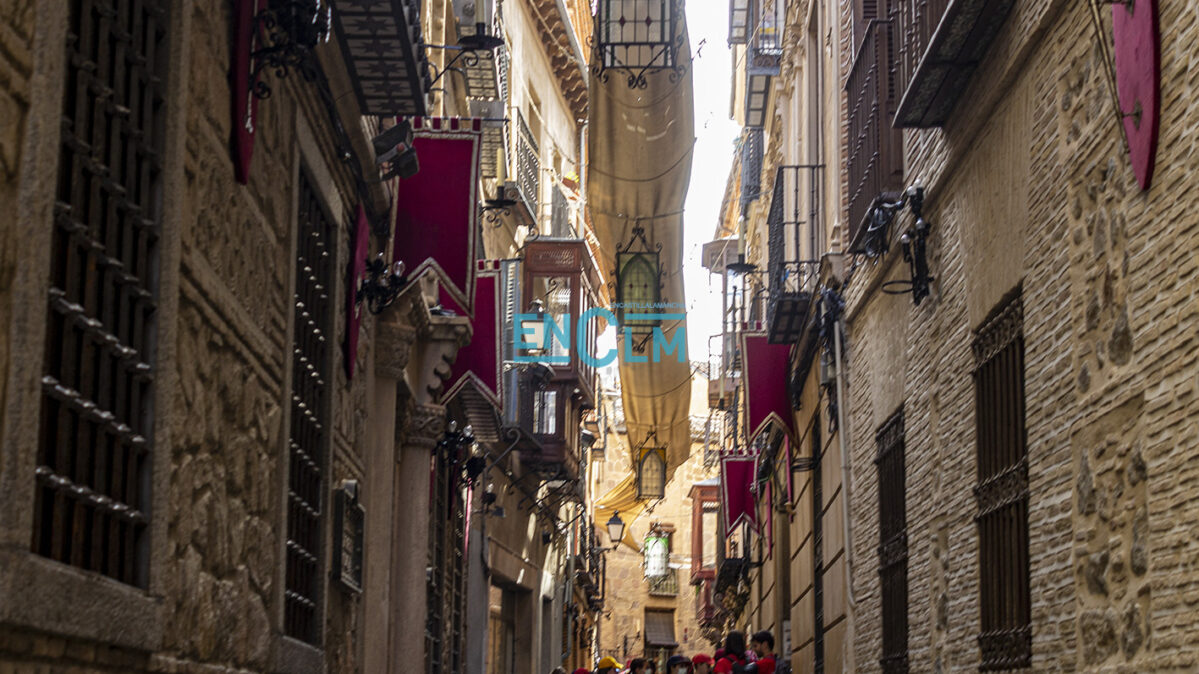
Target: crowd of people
733 658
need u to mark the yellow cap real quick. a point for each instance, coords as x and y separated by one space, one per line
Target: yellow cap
608 661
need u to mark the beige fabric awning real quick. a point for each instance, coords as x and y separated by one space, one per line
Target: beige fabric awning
640 149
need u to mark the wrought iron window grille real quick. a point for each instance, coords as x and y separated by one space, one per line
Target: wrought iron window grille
92 488
308 434
1005 638
893 544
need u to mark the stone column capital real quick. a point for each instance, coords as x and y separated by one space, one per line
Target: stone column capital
393 346
425 427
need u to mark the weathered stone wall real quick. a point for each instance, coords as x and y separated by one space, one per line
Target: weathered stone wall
1029 182
225 356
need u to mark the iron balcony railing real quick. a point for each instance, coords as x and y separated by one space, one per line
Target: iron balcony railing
875 149
528 166
665 586
795 240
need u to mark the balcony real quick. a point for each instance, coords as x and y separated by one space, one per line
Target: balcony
875 148
941 44
380 42
795 243
548 391
528 168
664 586
765 54
724 365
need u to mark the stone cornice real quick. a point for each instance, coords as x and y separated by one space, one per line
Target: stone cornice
570 71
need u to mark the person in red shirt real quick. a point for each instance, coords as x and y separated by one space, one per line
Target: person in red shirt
732 661
763 645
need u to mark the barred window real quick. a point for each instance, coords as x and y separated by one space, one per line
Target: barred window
445 598
1002 491
893 544
92 502
309 415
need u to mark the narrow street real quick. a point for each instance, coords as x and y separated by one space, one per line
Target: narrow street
598 336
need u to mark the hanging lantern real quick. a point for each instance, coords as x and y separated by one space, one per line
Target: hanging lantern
638 284
657 555
636 37
651 470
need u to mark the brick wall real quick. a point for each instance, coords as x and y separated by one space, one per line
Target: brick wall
1030 181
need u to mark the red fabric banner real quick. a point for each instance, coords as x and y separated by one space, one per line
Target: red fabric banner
436 209
245 103
736 486
360 248
479 363
767 397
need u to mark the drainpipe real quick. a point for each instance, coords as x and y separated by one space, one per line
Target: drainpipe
846 490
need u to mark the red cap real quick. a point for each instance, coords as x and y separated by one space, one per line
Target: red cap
699 659
582 670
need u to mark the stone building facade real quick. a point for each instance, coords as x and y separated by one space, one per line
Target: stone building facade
637 609
182 417
1045 251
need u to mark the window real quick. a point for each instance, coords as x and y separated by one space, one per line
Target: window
1002 491
309 415
545 412
893 544
92 502
445 616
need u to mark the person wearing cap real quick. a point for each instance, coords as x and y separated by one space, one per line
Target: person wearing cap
637 666
678 664
582 670
701 663
607 665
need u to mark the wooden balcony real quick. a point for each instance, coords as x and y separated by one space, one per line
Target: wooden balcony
875 148
941 43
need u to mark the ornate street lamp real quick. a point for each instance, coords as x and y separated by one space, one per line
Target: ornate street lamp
651 469
381 284
638 282
615 529
912 242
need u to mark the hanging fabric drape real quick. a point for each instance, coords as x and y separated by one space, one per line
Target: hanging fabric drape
640 144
